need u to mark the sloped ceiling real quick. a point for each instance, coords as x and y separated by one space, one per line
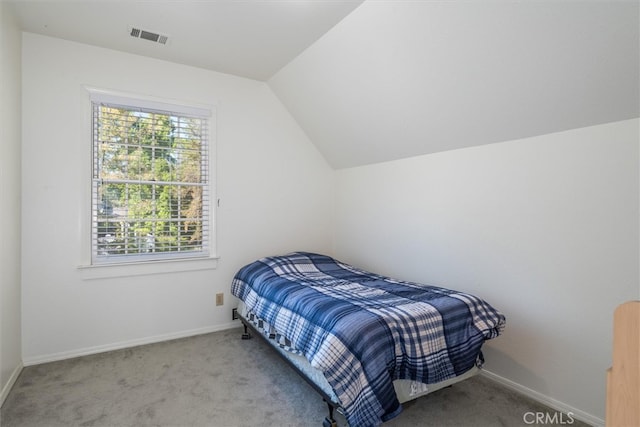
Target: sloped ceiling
388 79
247 38
397 79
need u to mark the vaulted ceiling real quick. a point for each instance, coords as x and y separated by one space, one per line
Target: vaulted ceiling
380 80
397 79
248 38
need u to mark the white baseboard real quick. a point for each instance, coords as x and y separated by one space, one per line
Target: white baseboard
54 357
545 400
9 385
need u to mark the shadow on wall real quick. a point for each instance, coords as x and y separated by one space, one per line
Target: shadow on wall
498 363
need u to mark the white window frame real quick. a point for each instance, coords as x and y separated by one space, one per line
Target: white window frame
153 264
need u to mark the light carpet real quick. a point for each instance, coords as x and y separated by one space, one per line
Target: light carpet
218 379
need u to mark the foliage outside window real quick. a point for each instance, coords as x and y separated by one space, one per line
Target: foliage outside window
150 184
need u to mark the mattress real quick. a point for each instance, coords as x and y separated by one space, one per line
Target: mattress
406 390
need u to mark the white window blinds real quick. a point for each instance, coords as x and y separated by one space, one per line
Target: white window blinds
150 183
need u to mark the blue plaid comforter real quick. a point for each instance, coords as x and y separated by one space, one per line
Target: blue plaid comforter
363 330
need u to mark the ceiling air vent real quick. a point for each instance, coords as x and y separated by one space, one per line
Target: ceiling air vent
148 35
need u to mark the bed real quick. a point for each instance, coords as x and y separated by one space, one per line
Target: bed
364 341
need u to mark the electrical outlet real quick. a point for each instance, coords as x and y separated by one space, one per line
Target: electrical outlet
234 313
219 299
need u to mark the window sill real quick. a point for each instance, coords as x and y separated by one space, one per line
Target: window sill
110 271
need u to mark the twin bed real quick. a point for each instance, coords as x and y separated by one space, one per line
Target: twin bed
365 342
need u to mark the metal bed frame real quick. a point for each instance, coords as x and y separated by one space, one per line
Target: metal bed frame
250 329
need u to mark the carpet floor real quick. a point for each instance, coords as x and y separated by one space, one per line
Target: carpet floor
218 379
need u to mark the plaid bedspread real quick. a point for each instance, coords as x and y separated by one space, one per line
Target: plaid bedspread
363 330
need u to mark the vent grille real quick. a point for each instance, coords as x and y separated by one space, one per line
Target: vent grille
148 35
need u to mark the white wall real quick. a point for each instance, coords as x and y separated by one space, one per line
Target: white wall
271 181
545 229
10 330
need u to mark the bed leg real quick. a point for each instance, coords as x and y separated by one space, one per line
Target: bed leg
246 334
329 421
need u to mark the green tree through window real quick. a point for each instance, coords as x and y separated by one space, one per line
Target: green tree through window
150 184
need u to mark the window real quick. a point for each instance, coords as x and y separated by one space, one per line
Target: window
150 181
